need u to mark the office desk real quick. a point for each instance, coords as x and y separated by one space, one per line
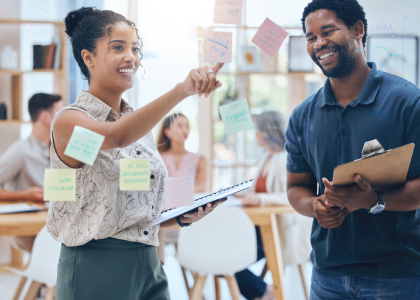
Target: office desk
22 224
265 218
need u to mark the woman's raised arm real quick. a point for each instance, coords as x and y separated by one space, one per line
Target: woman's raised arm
134 126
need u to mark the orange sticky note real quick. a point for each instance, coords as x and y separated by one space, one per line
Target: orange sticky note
217 47
228 12
179 191
269 37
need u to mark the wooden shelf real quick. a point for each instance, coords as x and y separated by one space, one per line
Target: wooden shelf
19 72
8 21
10 72
16 108
55 71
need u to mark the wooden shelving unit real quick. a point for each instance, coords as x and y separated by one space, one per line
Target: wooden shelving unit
60 78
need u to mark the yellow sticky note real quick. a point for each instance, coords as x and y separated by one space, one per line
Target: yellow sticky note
59 185
134 174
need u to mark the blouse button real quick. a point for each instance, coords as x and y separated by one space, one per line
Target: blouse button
152 176
146 233
138 152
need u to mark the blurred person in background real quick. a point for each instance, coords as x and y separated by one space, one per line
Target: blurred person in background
270 188
179 162
22 165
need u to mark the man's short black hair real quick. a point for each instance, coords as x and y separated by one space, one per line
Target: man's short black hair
349 11
40 102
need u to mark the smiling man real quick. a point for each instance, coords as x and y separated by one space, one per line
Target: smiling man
366 243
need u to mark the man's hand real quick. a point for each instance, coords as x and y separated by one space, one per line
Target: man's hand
34 194
359 195
250 200
328 217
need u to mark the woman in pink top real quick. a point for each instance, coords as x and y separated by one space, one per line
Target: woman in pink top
179 162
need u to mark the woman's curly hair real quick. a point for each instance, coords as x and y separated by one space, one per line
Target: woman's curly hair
349 11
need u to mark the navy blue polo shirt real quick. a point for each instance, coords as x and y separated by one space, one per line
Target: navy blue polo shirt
322 135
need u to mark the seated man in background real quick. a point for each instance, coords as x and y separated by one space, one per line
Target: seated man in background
22 165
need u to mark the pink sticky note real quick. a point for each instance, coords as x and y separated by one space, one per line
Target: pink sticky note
179 191
228 12
217 46
269 37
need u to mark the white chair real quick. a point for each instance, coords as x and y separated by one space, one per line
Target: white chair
222 243
42 268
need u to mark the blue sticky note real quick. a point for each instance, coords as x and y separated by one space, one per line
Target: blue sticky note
84 145
236 116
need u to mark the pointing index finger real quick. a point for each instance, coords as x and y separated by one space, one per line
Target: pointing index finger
217 67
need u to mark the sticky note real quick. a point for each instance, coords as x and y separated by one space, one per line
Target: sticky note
60 185
84 145
134 174
228 12
236 116
217 46
179 191
269 37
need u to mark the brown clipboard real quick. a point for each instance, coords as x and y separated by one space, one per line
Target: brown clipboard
383 171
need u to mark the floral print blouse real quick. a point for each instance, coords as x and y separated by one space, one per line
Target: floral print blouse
101 210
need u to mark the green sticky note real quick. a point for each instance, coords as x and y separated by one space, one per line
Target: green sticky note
236 116
60 185
134 174
84 145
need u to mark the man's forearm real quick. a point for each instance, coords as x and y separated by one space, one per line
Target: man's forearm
403 198
302 200
6 195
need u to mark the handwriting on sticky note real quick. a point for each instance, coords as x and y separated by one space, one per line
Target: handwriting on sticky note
269 37
84 145
179 191
217 46
228 11
134 174
60 185
236 116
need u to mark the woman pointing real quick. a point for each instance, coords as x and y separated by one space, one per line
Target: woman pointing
108 244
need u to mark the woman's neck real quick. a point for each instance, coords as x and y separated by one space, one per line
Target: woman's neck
111 98
177 149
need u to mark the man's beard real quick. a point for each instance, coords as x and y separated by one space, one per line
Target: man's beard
346 60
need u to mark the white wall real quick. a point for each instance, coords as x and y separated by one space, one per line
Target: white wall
392 13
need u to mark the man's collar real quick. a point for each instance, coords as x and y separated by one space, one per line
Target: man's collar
367 94
99 109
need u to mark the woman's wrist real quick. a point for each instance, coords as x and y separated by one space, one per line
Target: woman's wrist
184 220
179 92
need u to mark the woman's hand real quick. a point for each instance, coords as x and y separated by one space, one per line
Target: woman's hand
198 215
251 200
202 81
